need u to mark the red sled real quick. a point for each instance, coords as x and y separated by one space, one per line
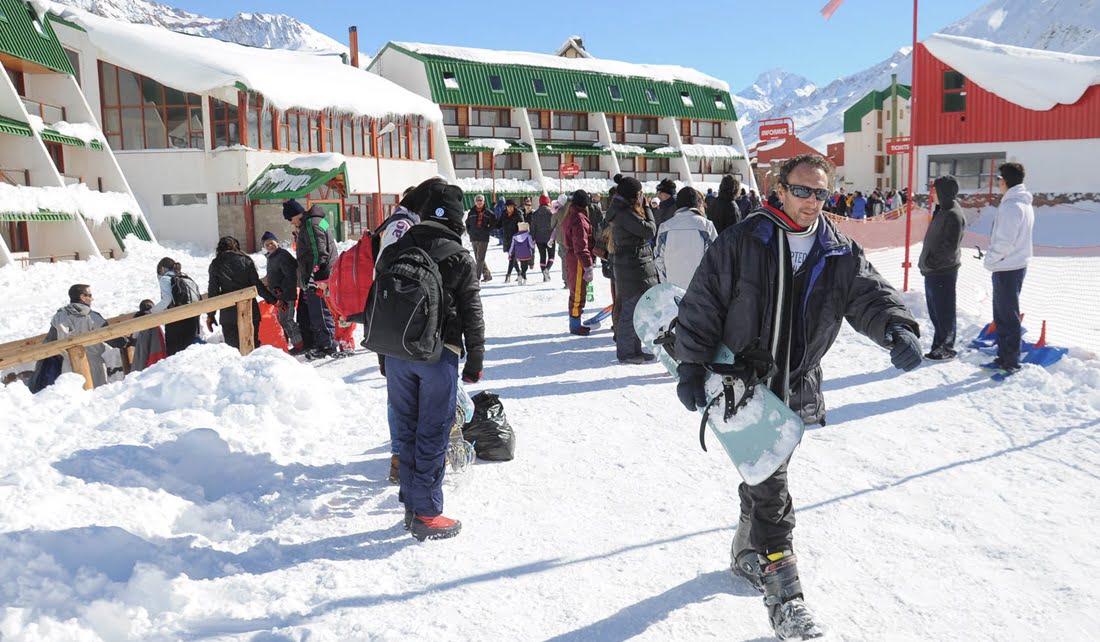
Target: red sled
350 281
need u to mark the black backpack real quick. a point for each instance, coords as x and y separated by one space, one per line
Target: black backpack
405 307
184 290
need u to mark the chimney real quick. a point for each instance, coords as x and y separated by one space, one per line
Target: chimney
353 44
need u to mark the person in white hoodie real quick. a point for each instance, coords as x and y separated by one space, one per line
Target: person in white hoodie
683 239
1007 257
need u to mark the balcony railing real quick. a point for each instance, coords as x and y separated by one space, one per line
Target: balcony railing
712 178
576 135
15 176
68 179
517 174
49 114
481 131
707 140
643 139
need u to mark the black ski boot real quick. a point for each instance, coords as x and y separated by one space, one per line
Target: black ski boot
790 617
744 561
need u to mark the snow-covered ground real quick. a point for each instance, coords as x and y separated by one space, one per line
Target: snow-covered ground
214 497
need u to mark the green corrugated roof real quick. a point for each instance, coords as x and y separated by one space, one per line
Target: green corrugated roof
871 102
16 127
25 35
57 137
577 149
61 21
462 145
283 181
35 217
518 89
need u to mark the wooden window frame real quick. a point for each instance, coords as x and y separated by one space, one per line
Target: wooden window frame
106 109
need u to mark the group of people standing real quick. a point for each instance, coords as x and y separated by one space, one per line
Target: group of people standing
856 205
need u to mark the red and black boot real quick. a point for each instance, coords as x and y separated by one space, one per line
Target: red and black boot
438 527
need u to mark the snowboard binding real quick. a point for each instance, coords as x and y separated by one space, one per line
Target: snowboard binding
751 367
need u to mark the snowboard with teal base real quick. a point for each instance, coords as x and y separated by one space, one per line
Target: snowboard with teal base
759 435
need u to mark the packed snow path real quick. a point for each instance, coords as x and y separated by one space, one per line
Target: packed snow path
219 498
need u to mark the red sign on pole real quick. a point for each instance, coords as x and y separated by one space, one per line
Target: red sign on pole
899 145
570 170
775 131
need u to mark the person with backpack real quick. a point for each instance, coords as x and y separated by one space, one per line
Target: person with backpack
176 289
233 270
479 223
522 251
316 255
423 345
541 228
282 280
578 259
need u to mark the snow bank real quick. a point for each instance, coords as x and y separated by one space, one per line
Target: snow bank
287 79
501 184
662 73
1031 78
496 144
72 199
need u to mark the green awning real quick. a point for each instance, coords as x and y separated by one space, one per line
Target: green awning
577 149
279 182
35 217
15 127
462 145
57 137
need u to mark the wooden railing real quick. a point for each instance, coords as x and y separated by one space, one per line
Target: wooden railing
32 349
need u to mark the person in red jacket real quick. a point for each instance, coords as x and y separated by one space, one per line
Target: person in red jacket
578 258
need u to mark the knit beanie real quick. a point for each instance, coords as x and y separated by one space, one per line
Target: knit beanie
628 187
292 208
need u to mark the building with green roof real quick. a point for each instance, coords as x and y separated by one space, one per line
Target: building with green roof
517 119
62 194
868 126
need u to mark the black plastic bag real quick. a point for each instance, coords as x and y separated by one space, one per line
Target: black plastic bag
489 430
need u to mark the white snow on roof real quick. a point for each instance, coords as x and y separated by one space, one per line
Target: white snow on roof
496 144
662 73
324 162
73 199
1031 78
619 148
287 79
703 151
86 132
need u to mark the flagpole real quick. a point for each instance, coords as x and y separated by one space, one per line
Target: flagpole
912 150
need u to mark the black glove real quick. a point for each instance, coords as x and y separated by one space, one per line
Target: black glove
471 373
905 348
691 390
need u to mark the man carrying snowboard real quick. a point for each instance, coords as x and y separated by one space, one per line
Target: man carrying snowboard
734 298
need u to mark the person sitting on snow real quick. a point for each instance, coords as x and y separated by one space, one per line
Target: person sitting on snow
75 318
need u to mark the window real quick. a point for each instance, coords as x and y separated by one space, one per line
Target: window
651 95
627 165
579 89
954 91
638 125
539 86
171 200
616 94
225 123
974 172
569 121
140 113
686 99
3 16
450 115
449 80
74 60
36 21
496 84
465 161
491 117
549 162
719 103
260 122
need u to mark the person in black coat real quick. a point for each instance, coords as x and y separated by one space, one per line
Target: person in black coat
723 212
233 270
479 224
632 232
744 206
939 263
422 395
666 194
282 280
509 227
731 302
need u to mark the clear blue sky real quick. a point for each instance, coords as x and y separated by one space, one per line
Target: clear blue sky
733 40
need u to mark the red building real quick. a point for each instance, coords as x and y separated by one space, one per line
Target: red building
766 156
979 104
835 154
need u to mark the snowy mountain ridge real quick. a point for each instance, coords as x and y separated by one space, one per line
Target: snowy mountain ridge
1071 26
270 31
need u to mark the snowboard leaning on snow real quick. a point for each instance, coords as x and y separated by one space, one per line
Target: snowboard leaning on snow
762 434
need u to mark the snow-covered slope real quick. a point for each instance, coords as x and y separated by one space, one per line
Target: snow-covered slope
253 29
1071 26
214 497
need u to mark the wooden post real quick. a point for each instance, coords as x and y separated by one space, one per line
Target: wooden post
244 326
127 360
78 359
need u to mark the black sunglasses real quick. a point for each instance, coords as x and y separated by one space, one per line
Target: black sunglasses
801 191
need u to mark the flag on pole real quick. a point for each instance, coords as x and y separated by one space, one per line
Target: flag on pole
829 9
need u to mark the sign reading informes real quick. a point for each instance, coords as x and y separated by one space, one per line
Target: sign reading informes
775 131
901 145
570 170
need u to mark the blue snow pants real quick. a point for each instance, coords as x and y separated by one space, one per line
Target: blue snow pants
422 402
1006 315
